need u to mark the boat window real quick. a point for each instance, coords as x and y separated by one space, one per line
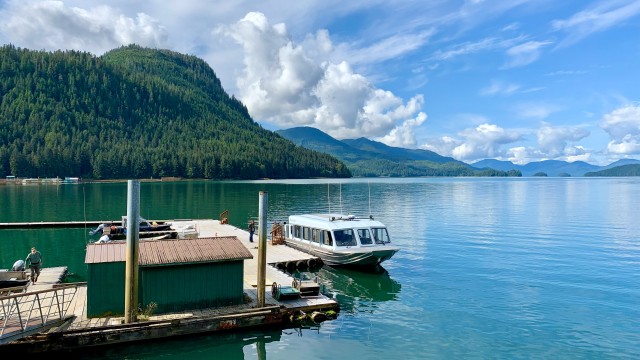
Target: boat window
315 235
297 232
365 237
306 233
326 238
381 235
345 237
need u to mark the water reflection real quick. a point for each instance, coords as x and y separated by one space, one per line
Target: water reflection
355 290
232 345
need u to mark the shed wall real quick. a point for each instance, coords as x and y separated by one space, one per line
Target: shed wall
192 286
105 290
173 288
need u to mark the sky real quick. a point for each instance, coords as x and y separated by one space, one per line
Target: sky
517 80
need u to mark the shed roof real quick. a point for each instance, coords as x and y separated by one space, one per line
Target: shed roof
163 252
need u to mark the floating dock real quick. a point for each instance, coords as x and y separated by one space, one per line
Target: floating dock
51 315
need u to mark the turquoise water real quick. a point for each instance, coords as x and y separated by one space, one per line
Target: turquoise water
517 268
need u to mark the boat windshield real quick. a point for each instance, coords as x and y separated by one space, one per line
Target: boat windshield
381 235
365 237
345 237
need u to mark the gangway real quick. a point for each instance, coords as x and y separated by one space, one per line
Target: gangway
30 313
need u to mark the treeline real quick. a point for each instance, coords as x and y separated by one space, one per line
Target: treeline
135 113
383 167
623 170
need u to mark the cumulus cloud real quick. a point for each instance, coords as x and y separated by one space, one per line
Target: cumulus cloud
403 135
481 142
554 140
289 85
623 127
51 25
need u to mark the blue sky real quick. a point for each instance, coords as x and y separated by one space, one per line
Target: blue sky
512 80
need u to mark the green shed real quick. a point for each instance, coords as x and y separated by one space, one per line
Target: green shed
176 275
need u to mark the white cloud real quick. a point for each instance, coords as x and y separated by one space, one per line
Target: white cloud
554 141
602 16
467 48
51 25
481 142
524 54
403 135
499 88
623 127
293 85
535 110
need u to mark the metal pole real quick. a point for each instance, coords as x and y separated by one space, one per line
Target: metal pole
262 246
133 235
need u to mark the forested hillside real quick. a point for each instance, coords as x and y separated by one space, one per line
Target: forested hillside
623 170
369 158
135 113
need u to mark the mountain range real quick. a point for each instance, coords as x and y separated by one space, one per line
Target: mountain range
366 157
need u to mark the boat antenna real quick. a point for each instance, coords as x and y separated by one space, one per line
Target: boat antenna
341 199
328 199
369 185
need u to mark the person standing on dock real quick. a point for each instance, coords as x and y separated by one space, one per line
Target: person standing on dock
252 229
34 262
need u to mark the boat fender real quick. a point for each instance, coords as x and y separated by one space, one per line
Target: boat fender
318 317
298 316
291 266
301 264
311 263
281 266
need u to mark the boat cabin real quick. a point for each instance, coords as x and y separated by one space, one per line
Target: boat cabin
337 231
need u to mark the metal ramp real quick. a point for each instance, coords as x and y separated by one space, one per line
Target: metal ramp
30 313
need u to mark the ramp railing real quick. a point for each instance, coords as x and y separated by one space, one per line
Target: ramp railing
29 313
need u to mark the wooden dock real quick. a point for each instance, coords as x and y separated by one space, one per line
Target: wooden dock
78 331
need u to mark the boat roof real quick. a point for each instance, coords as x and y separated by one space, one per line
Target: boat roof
334 221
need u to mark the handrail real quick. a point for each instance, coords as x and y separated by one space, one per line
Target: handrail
27 313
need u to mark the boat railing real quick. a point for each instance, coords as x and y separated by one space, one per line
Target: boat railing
29 313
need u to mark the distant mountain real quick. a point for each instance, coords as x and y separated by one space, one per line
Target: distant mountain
396 153
622 170
551 167
365 157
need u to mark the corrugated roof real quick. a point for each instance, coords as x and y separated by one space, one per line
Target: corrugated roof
160 252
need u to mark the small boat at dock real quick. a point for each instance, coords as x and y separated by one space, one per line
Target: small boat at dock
147 229
12 279
340 240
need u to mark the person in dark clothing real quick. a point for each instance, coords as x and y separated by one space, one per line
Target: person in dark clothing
34 262
252 229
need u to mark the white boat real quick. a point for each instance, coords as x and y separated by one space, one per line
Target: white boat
340 240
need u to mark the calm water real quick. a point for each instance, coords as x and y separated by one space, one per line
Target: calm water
518 268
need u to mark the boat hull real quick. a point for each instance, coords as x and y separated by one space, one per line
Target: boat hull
357 257
12 283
